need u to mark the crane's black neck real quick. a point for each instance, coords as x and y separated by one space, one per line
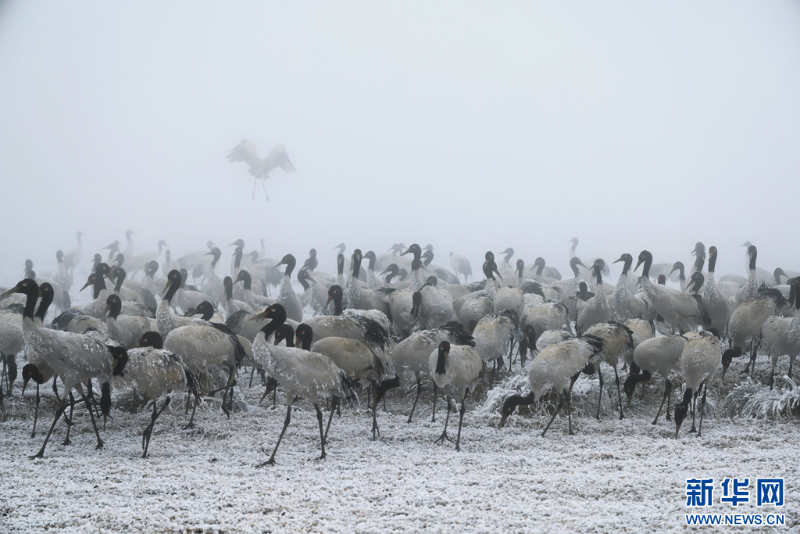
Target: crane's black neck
440 362
626 264
216 253
712 260
31 292
237 258
247 280
228 283
121 274
753 254
340 264
302 277
173 286
278 317
290 263
540 263
46 292
337 300
700 261
115 307
356 261
573 264
427 257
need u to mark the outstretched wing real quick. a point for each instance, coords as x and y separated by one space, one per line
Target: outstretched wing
246 152
278 158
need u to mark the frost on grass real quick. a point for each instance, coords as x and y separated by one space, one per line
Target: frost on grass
752 399
585 394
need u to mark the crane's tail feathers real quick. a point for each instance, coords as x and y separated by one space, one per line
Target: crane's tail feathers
533 287
349 388
457 335
373 332
239 352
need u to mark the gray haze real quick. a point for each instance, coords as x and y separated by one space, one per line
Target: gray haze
469 126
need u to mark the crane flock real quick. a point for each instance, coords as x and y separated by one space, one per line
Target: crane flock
367 327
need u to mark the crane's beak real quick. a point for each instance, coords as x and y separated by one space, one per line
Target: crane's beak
505 417
619 260
85 285
10 291
638 263
327 303
257 316
105 312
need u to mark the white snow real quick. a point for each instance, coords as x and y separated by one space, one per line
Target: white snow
612 476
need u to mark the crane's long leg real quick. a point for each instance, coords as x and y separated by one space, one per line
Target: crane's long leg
435 393
69 421
36 411
253 197
321 436
62 406
444 435
414 407
286 422
702 409
334 404
149 430
600 398
461 419
694 408
667 387
375 402
619 395
567 397
91 415
558 409
190 424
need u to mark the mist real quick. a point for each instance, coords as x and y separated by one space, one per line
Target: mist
472 127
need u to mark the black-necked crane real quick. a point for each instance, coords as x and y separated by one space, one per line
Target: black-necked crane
557 366
436 308
749 290
232 305
252 300
461 266
359 296
126 330
168 321
300 373
627 306
680 310
413 353
74 256
717 304
459 366
596 310
658 354
699 362
260 168
775 334
212 283
492 334
745 324
287 297
76 358
154 371
617 345
357 361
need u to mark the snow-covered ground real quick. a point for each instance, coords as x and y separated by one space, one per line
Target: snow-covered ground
612 476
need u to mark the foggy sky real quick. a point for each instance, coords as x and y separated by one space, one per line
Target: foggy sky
469 126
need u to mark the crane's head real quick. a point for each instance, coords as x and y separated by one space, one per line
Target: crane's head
151 339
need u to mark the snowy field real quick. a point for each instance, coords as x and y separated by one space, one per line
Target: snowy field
612 476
